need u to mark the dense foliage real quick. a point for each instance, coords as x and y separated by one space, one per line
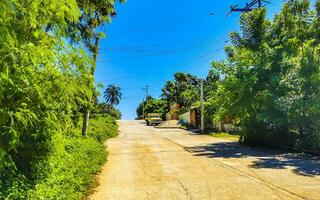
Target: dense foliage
44 82
183 90
66 173
104 108
270 80
153 106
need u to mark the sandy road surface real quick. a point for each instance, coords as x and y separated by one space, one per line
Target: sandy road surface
149 163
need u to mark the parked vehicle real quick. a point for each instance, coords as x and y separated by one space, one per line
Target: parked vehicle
153 119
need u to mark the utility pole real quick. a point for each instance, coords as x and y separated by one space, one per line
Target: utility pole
143 108
147 92
86 116
146 88
202 107
253 4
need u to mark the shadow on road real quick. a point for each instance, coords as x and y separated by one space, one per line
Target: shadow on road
303 164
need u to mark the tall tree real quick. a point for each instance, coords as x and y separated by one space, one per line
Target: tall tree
271 77
94 14
42 78
112 95
183 90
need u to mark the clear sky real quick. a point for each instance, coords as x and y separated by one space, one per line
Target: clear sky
150 40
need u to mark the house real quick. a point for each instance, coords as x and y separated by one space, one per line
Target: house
173 114
192 118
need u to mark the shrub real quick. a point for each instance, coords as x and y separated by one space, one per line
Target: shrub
68 170
102 127
12 183
257 134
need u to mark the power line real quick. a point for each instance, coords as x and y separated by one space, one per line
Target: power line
133 97
248 7
173 51
142 56
131 88
158 44
160 26
155 50
134 48
149 51
132 58
119 78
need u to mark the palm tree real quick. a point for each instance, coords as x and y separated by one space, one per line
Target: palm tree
112 95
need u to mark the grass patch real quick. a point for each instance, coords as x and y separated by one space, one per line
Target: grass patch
227 136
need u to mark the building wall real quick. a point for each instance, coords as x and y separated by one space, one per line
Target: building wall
185 118
174 112
193 118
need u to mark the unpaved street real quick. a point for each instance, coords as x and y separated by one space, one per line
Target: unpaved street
149 163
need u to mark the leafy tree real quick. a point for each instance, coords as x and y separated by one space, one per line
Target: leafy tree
44 82
112 95
141 106
42 79
271 77
94 13
210 96
183 90
153 106
104 108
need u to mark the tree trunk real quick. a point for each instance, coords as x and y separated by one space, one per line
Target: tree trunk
86 116
85 124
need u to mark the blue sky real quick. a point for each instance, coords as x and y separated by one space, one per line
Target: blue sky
150 40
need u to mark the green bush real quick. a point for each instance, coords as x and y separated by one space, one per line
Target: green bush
68 171
104 108
12 183
102 127
310 141
257 134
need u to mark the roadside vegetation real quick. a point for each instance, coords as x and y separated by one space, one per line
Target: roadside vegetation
152 105
182 90
269 83
270 80
227 136
67 171
47 62
105 108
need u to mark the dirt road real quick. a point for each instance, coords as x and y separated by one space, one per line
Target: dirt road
149 163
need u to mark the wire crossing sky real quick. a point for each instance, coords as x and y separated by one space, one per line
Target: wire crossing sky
149 41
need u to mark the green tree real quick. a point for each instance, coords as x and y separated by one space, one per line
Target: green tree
183 90
210 96
104 108
94 14
271 76
112 95
153 106
44 82
42 79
